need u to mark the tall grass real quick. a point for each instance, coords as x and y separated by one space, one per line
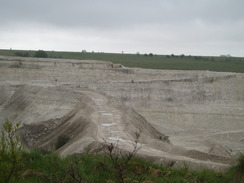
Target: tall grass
40 168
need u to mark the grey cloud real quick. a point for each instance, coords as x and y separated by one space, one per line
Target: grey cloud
112 13
135 24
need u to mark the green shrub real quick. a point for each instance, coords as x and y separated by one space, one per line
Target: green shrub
41 54
10 153
239 169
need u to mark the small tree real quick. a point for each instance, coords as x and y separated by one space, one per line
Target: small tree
40 54
10 152
121 158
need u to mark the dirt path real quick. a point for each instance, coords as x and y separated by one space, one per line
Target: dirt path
108 120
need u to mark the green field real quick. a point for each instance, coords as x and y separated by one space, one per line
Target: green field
171 62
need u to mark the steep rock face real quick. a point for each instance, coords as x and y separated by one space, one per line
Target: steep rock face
153 88
185 117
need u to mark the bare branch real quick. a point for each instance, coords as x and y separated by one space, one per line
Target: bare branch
120 157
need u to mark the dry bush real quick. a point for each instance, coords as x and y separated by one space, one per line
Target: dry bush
121 158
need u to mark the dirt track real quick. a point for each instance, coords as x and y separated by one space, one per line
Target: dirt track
192 118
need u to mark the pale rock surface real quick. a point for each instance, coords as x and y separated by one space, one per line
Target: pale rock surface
186 118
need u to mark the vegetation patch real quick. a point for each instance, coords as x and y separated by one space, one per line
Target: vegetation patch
91 168
111 167
40 54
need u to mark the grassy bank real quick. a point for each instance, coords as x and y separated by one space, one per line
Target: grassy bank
39 168
172 62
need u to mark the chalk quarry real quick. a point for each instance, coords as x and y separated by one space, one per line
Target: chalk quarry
186 118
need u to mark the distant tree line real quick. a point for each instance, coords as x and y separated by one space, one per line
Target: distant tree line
22 54
38 54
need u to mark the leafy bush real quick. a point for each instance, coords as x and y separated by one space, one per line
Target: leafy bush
10 153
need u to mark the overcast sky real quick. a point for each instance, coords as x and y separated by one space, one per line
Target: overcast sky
190 27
